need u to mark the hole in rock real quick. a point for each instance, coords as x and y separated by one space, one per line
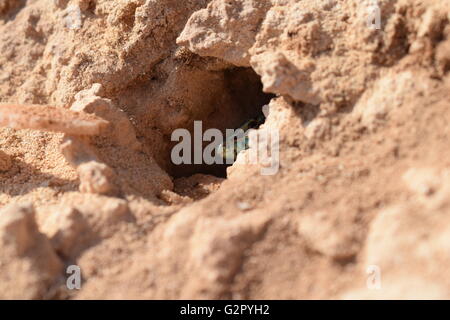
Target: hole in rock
238 98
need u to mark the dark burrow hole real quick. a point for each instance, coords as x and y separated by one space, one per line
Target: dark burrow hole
241 99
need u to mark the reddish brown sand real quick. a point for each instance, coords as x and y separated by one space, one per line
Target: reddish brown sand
363 116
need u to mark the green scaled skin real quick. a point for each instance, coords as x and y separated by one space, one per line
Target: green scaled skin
227 152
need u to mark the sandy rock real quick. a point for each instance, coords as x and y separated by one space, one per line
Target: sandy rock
66 228
25 251
173 198
406 261
374 106
269 38
431 21
72 227
317 128
8 5
96 178
425 181
225 30
78 150
18 227
5 162
216 250
84 4
103 211
323 233
148 28
60 3
387 241
281 76
229 31
121 129
320 57
391 246
47 118
212 247
443 56
431 185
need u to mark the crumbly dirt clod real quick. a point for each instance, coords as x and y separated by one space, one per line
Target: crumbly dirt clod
25 251
5 162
